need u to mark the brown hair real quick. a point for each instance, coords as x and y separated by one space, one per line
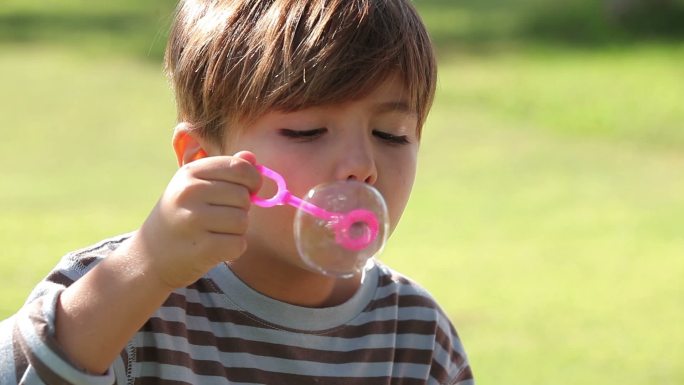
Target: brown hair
230 61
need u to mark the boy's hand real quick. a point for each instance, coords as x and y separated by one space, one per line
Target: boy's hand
200 221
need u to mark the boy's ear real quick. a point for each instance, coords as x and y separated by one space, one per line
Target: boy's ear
187 145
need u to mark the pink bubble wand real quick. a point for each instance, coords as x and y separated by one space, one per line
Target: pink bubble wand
342 223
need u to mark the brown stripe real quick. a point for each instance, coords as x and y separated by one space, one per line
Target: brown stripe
83 257
264 349
85 262
160 356
110 245
410 327
393 279
177 329
408 300
205 285
239 317
416 356
438 372
213 314
237 345
273 378
58 277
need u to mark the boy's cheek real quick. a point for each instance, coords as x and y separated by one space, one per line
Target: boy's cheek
395 212
273 226
397 198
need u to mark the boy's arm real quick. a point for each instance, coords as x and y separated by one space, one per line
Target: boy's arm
199 222
29 353
98 314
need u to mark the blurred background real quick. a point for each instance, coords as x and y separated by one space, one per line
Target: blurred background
548 212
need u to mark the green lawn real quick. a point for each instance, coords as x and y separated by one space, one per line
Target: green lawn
547 216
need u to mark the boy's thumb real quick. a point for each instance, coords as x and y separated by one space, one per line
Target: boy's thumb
246 155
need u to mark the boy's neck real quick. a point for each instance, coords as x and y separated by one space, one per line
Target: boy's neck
294 285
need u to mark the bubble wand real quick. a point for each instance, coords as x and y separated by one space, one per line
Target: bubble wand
354 230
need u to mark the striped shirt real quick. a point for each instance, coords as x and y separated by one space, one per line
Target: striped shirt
220 331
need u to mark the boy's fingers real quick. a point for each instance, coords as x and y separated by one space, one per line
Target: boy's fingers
227 169
225 247
212 192
220 193
225 220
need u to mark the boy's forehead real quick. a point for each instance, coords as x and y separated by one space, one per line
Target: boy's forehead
393 86
390 94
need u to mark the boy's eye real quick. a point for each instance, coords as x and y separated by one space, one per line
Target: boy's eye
391 138
303 135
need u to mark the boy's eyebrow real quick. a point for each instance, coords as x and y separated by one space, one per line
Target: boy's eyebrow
395 106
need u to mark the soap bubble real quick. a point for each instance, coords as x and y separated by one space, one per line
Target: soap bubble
343 242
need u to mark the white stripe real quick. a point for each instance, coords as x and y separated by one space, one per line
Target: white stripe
201 352
228 329
279 365
204 300
7 364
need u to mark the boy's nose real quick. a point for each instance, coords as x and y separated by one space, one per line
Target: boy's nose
357 163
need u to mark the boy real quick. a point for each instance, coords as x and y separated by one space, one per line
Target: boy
210 290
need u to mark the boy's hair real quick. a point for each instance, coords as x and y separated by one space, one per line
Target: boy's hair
230 61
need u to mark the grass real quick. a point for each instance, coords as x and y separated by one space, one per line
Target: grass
555 242
598 94
558 259
546 218
85 151
96 27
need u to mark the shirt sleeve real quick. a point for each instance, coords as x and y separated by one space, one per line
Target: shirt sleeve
450 364
464 377
453 357
30 353
36 355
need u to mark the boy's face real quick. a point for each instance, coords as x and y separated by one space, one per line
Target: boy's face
372 139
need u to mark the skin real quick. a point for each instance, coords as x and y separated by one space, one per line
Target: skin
345 144
205 216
